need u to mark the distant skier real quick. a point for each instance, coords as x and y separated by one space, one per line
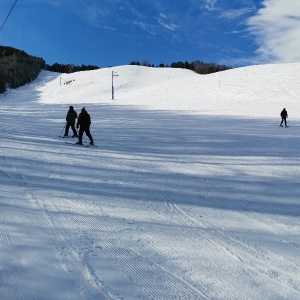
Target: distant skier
84 122
71 120
284 116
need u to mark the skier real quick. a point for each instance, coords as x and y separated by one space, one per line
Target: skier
84 121
284 116
71 119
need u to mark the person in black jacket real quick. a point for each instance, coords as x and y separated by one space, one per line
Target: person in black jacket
71 119
84 122
284 116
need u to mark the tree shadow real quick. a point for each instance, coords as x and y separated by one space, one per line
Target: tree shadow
220 162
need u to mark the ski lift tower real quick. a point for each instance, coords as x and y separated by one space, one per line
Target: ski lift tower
113 74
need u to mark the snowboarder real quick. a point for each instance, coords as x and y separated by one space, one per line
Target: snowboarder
84 122
284 116
71 120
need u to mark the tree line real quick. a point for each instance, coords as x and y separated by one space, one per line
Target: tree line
69 68
197 66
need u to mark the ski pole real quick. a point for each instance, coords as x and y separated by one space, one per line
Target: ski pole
63 128
276 122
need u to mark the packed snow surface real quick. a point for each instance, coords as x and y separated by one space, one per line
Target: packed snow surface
191 192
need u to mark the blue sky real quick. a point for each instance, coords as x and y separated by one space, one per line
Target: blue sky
116 32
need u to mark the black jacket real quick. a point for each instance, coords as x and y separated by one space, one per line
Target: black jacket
71 116
84 120
284 114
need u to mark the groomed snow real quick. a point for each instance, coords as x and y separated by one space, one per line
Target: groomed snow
192 192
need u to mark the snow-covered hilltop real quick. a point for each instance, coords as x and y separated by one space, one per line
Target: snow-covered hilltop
192 192
259 91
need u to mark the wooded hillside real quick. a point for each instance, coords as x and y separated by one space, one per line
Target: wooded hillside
17 68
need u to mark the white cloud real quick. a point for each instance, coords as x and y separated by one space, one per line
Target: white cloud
163 22
276 28
145 26
235 13
170 26
210 4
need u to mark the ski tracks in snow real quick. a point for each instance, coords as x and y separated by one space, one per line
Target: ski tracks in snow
272 269
22 234
89 245
95 231
26 214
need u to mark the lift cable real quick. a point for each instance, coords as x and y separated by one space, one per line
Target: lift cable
8 14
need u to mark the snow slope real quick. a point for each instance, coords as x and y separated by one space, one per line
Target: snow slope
192 192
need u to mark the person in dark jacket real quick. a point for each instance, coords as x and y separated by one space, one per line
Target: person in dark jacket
71 120
284 116
84 123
